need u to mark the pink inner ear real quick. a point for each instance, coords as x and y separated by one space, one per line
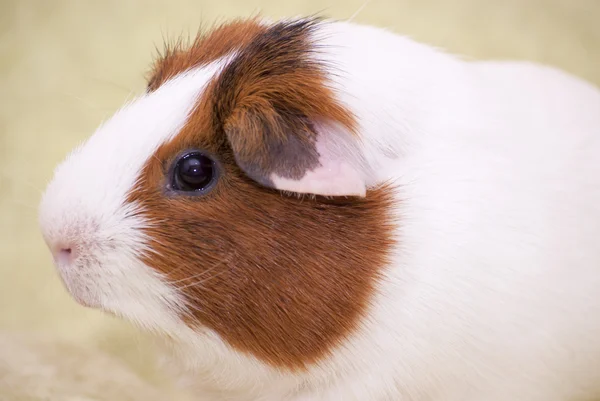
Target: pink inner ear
334 177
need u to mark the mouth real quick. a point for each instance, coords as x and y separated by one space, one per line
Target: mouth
77 289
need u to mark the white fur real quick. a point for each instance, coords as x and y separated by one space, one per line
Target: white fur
493 293
83 207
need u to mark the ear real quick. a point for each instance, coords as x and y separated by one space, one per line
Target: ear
282 121
301 156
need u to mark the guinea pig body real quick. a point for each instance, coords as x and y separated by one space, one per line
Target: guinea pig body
315 210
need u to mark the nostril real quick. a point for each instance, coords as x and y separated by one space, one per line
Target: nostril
64 255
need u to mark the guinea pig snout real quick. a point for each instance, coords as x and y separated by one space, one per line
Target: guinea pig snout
69 241
67 250
64 253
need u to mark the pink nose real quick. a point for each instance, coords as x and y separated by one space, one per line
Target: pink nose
64 255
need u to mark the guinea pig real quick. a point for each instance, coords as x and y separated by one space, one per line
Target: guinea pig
316 210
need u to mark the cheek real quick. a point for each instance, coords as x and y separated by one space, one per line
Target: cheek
286 280
113 278
137 292
82 281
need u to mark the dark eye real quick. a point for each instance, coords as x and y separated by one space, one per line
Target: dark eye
193 172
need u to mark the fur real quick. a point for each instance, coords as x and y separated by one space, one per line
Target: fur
491 292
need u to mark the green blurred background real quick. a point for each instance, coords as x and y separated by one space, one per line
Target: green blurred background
65 65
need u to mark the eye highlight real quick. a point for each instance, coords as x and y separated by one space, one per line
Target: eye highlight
193 172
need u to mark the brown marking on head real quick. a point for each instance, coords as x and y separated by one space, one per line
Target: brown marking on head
270 100
282 278
218 42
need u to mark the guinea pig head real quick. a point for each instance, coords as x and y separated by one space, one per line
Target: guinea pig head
232 197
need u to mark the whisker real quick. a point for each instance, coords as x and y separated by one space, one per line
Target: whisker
111 83
199 283
202 273
25 183
34 208
210 269
85 102
190 308
360 9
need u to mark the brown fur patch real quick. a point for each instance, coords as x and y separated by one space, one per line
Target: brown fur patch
218 42
269 99
282 278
